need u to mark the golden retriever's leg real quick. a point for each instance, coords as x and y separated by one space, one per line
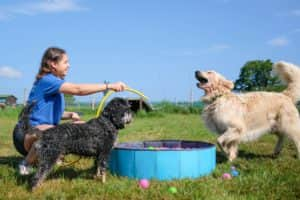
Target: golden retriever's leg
290 125
295 136
233 153
220 142
232 150
279 145
220 146
228 142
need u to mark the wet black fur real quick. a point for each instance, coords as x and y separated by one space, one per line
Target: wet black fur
93 138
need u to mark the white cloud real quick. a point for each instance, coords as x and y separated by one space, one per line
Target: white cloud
279 42
48 7
39 7
9 72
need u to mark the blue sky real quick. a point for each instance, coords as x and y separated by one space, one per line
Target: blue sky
153 46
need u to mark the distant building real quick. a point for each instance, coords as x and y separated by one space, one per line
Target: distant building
139 104
9 100
2 106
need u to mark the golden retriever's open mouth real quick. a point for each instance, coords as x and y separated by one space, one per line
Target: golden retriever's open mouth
201 78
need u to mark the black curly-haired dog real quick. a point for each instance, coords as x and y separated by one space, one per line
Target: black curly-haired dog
93 138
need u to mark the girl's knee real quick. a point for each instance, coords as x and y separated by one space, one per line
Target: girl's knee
29 140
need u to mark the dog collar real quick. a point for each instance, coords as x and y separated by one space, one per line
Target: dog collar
216 97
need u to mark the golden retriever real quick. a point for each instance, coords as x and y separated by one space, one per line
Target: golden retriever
245 117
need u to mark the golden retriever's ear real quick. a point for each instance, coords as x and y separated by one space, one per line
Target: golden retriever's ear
229 84
226 83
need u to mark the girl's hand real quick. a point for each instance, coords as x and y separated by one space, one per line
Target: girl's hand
75 116
117 87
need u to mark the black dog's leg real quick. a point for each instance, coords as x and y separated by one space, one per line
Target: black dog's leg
101 164
46 163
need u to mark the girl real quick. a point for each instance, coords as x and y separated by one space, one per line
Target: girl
47 94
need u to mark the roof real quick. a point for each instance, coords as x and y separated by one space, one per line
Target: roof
4 96
135 104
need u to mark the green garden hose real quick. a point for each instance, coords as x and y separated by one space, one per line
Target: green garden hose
110 92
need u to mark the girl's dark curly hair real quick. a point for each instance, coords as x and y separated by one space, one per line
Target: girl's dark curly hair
52 54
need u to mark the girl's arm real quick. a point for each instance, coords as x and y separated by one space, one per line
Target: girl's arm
86 89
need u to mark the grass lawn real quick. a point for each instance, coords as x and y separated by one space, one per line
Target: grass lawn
261 176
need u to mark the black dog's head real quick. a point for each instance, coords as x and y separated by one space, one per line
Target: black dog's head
118 112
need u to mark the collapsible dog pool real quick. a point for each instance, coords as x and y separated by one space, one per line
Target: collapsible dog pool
163 159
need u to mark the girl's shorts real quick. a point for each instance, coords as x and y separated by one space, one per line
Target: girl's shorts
18 139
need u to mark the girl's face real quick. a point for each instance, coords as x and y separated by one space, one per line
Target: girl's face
61 67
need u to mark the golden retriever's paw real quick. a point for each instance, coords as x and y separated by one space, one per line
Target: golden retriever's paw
231 158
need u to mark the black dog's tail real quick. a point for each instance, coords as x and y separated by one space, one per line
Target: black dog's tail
24 115
22 128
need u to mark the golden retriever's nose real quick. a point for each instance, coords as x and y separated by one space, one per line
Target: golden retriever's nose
196 73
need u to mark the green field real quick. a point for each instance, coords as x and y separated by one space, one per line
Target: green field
261 176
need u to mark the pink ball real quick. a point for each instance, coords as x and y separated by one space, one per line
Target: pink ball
144 183
226 176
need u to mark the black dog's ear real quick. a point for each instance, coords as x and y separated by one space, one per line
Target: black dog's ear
115 110
114 105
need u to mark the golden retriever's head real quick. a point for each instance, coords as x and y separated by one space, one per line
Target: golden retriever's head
213 84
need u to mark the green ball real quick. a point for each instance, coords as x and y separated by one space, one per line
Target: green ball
173 190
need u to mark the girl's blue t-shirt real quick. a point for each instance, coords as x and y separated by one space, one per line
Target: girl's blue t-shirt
50 105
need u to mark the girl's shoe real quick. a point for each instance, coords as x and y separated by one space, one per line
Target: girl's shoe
24 168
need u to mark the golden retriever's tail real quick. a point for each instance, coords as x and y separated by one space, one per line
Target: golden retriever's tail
289 74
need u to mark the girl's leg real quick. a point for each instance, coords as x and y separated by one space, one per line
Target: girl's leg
31 138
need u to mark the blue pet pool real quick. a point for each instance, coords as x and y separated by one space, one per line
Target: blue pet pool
163 159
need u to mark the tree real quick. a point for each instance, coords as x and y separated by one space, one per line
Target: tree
256 75
69 100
